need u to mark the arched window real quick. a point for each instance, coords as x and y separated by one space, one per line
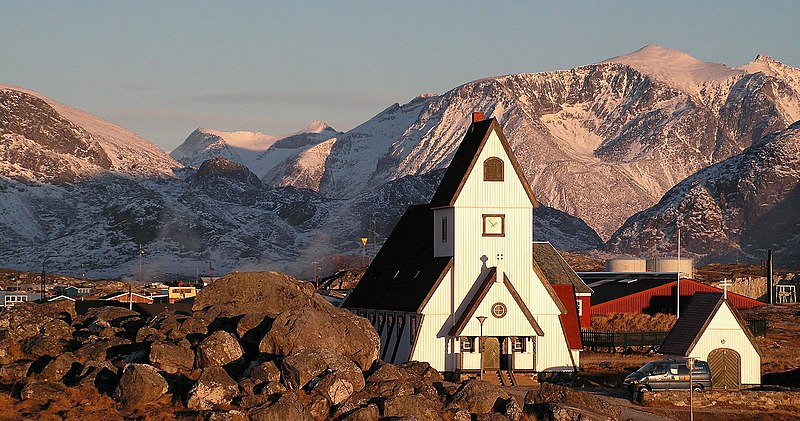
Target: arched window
493 169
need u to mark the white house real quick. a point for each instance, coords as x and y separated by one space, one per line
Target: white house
711 329
454 285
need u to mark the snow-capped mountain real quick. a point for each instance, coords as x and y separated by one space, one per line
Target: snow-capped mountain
257 151
43 140
600 142
735 209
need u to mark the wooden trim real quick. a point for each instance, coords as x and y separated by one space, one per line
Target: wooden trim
474 303
502 224
435 286
522 306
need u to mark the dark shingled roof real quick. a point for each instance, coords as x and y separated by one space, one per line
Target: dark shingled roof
694 321
405 272
691 324
556 269
464 160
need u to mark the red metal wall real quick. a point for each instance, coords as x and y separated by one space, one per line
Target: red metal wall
586 316
662 299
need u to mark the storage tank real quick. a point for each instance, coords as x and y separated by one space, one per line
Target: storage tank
626 265
670 264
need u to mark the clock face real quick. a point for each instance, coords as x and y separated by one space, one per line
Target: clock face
494 225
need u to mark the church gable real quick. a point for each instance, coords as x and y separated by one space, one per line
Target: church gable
484 156
499 301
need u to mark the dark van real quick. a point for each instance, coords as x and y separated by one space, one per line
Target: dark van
669 374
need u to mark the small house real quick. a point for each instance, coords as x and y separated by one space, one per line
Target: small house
712 330
128 297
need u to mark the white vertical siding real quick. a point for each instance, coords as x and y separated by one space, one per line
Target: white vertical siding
552 352
724 332
443 248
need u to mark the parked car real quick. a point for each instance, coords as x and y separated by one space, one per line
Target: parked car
668 374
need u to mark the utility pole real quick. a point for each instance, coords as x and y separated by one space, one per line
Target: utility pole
481 319
678 309
141 260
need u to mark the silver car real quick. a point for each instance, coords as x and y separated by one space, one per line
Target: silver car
669 375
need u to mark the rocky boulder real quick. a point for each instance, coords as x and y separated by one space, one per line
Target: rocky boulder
14 372
332 328
219 348
43 391
413 406
480 397
300 368
172 357
262 293
140 384
288 407
57 368
33 330
214 388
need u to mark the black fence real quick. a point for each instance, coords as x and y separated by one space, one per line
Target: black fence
594 339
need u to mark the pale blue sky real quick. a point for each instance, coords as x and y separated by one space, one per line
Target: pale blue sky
162 68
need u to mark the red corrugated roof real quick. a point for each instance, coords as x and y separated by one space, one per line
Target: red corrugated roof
569 320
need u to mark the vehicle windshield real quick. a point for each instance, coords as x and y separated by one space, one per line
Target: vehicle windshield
647 368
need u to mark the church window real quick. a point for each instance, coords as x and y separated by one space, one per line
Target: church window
499 310
493 169
519 343
444 230
467 344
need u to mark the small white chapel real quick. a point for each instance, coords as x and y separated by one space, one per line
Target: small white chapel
455 284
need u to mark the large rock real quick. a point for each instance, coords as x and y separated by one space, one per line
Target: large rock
262 293
172 357
33 330
300 368
43 391
58 367
264 372
14 372
550 399
111 315
140 384
331 328
288 407
480 397
219 348
415 406
214 388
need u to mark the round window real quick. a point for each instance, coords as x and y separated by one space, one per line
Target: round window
499 310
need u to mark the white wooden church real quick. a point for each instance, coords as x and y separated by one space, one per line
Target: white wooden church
454 285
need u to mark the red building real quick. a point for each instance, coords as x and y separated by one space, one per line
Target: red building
549 264
125 297
650 295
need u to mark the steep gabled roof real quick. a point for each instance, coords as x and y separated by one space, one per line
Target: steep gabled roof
695 319
405 272
464 161
555 268
569 320
480 294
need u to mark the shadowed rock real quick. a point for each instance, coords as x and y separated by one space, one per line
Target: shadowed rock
140 384
214 388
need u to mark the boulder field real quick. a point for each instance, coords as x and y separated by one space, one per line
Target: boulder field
258 346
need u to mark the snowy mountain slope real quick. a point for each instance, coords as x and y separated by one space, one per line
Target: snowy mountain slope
204 144
127 152
303 169
257 151
731 210
600 142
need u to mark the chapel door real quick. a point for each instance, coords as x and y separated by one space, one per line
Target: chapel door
490 357
725 366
